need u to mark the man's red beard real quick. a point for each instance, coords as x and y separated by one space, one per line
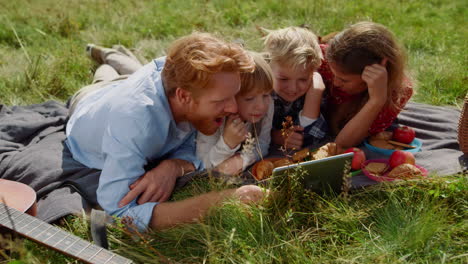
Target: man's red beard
206 125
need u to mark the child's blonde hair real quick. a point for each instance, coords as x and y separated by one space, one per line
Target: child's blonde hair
260 80
367 43
192 60
294 47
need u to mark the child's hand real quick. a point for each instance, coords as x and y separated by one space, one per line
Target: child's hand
376 77
293 141
318 83
235 131
231 166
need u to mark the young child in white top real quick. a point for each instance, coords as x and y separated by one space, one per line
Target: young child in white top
244 137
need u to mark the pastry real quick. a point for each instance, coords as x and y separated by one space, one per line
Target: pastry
376 168
405 171
381 143
282 162
327 150
264 169
301 155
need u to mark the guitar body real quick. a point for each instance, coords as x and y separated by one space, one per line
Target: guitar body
19 196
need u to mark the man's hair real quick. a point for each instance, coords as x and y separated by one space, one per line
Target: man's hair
294 47
260 80
192 60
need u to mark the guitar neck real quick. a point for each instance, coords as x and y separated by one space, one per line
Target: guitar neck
56 238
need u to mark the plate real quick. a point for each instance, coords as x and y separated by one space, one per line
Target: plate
383 177
415 143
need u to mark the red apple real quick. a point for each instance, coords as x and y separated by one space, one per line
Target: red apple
358 158
404 134
399 157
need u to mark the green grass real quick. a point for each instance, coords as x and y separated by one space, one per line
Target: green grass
42 42
42 57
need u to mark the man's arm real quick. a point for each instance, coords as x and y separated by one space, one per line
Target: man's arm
169 214
123 149
157 184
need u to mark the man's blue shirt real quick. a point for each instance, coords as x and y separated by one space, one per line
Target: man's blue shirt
121 128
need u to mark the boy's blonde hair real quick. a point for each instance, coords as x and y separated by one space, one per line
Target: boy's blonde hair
294 47
260 80
192 60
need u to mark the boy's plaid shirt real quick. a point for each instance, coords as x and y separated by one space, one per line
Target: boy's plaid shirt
316 131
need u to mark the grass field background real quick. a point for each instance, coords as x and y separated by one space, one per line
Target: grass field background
42 57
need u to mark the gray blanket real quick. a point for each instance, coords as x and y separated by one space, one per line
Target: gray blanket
32 151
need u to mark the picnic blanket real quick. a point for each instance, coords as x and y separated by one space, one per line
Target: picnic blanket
32 151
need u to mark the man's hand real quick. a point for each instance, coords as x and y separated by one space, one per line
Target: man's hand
235 131
376 78
154 186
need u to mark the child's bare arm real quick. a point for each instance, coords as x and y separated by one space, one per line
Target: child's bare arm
313 98
357 129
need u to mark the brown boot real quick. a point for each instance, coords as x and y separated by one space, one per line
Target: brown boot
95 53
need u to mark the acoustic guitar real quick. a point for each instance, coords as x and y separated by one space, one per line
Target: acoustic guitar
17 210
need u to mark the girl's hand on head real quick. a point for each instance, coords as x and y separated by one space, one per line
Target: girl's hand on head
376 77
235 131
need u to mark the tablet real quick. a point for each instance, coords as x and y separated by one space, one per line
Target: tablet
323 175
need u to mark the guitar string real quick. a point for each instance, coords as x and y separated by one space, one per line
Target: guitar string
13 223
8 213
89 244
66 235
43 241
40 223
95 254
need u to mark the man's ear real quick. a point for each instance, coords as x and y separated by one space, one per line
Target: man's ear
183 96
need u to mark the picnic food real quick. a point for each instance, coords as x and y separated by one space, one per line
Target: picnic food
358 158
381 143
405 171
404 134
399 157
396 140
282 162
385 135
327 150
376 168
301 155
264 169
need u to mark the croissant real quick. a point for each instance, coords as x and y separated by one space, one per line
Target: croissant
264 169
282 162
301 155
327 150
405 171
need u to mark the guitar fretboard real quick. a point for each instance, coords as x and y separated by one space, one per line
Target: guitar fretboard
56 238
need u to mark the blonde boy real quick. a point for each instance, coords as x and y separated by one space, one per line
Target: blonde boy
295 56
